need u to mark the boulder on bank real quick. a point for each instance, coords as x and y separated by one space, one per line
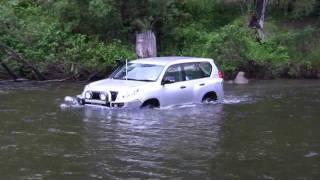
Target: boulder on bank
241 79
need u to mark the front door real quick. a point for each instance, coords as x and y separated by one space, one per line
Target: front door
178 91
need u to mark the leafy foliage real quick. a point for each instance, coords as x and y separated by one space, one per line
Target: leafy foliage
41 39
295 8
233 47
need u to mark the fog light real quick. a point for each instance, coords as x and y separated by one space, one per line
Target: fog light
88 95
103 96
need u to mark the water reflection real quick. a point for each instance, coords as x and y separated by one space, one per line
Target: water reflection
156 143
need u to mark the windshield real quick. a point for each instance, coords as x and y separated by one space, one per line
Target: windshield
139 72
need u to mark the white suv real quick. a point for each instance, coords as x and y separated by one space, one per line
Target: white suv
155 82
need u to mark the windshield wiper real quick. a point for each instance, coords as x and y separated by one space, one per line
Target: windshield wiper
132 79
146 80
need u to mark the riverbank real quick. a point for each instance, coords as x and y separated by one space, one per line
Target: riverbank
101 74
96 78
41 40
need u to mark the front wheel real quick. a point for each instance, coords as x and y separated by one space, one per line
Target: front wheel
151 103
148 106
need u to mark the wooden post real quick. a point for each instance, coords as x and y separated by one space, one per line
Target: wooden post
146 45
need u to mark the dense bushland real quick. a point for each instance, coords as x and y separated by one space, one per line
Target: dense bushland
81 39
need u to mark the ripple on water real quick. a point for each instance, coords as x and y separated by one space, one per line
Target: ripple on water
177 142
3 92
311 154
230 99
59 131
7 110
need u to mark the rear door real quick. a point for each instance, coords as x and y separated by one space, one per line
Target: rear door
197 75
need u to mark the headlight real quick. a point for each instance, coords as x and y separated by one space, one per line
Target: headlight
88 95
103 96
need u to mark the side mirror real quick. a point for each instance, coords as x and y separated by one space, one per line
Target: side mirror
168 80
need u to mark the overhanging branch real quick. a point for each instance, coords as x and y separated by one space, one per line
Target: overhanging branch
15 56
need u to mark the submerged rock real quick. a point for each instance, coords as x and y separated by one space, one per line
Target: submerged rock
241 79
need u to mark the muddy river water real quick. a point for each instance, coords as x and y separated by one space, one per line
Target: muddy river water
264 130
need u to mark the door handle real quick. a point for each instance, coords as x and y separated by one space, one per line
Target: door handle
202 84
182 87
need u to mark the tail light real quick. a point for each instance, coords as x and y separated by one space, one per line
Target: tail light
220 73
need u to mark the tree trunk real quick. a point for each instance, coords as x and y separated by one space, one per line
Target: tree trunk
146 45
261 10
257 20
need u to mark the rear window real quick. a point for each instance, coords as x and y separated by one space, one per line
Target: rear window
197 70
205 68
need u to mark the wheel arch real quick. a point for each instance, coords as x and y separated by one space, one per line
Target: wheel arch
210 94
153 102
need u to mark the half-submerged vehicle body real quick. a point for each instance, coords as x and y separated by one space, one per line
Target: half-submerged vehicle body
157 82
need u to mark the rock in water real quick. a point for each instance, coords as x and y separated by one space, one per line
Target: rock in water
241 79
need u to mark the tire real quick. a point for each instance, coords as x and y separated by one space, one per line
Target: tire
148 106
151 104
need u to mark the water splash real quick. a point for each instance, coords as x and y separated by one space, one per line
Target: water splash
174 107
70 99
70 102
238 100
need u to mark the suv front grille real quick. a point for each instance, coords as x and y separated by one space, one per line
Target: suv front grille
114 95
96 95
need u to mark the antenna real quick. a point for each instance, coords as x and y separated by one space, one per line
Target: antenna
126 69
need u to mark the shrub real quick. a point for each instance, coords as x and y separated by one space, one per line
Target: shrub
234 47
303 48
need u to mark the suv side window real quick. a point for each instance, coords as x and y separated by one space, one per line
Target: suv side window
174 72
197 70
